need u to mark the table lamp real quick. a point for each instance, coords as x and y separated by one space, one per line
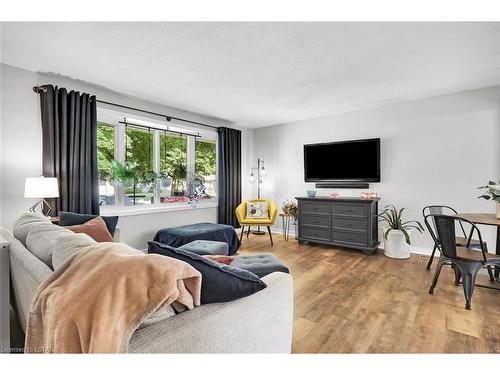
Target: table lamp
41 188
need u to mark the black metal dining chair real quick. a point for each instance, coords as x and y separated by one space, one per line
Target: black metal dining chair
466 261
461 241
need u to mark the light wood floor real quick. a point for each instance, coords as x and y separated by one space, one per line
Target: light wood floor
347 302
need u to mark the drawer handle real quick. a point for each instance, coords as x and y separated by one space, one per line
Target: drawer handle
348 225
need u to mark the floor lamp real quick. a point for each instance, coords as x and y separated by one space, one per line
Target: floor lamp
261 172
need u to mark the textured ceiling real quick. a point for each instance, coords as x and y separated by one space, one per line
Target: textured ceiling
259 74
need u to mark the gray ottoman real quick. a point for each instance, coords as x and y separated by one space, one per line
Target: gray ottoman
259 264
204 247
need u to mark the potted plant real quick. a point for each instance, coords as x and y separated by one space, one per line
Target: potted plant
290 208
493 193
397 234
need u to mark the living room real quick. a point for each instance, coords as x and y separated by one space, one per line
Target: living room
319 187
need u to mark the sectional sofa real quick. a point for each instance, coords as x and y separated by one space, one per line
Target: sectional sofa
260 323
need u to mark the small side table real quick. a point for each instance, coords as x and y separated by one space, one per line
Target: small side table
288 220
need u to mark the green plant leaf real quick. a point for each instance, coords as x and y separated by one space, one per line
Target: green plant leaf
407 236
387 232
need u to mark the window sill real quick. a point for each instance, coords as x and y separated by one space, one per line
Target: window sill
152 209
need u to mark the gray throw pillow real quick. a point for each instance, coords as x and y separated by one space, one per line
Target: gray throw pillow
67 245
43 238
25 223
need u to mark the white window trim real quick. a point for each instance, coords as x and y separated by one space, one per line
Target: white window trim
153 208
112 118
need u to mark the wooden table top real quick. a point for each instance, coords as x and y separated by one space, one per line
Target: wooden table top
486 219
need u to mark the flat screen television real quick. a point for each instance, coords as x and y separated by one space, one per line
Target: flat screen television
346 161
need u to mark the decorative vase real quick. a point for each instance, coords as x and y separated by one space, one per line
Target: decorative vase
498 210
395 246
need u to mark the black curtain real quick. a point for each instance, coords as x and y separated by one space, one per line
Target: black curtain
69 132
229 175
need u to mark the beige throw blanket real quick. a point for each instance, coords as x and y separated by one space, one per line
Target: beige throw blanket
95 301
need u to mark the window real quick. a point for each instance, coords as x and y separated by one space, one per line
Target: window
140 166
139 154
206 165
105 156
173 168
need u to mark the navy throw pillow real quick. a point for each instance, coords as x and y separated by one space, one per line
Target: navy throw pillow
219 283
72 218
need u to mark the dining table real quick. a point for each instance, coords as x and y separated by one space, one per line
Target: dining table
486 219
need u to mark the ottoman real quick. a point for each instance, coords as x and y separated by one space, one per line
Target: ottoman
204 247
259 264
179 236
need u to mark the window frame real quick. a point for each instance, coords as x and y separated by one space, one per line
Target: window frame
112 118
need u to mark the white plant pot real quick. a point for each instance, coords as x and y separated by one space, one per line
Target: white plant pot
395 246
498 210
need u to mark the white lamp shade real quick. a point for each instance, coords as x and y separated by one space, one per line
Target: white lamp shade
41 187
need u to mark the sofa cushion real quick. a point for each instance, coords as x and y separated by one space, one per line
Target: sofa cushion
42 239
204 247
259 264
220 283
95 228
72 218
67 245
25 223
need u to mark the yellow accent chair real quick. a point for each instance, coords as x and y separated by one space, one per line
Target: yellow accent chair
241 213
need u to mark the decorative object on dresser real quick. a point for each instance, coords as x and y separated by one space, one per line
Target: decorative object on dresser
311 193
493 193
346 222
41 188
397 234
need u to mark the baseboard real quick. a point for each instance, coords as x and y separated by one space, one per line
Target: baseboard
417 250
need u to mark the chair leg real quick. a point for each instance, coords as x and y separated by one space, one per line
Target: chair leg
490 272
270 235
242 231
248 231
431 259
458 274
468 282
436 275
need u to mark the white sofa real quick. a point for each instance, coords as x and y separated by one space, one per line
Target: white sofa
260 323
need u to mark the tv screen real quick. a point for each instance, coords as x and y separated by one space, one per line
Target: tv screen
357 160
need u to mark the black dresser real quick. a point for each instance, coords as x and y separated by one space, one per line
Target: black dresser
345 222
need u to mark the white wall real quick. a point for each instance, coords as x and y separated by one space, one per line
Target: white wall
434 150
20 150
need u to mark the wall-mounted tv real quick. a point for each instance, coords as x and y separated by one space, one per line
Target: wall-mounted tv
346 161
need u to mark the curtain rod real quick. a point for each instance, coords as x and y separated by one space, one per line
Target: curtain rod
39 89
131 124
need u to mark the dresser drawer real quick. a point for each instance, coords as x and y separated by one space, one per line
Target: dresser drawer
313 233
350 224
316 220
360 210
352 238
315 208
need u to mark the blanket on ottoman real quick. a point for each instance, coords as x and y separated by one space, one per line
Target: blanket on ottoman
179 236
100 295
